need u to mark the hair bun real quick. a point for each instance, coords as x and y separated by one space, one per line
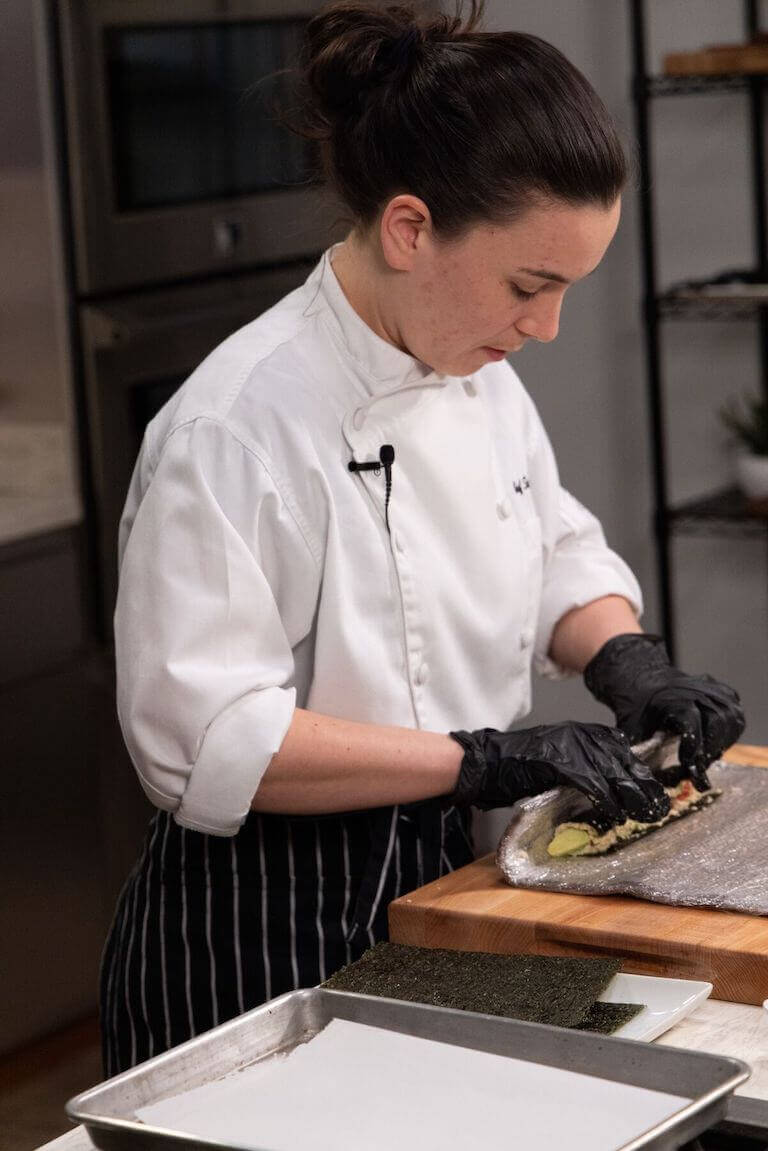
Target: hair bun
478 125
350 48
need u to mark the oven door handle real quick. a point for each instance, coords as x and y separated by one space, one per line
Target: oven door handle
119 328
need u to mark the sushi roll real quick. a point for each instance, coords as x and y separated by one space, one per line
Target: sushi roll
587 831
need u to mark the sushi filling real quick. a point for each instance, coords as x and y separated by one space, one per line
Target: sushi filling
575 837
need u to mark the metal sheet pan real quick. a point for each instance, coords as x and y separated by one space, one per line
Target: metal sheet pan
716 857
108 1111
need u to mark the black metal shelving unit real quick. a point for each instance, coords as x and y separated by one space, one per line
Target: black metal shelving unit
725 512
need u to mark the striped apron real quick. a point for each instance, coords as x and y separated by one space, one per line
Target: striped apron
207 927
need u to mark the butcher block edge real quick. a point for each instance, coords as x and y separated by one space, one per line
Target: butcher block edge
474 909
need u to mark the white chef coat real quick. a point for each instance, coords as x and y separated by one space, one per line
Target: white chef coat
257 573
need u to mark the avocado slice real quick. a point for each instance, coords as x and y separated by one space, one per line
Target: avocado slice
567 841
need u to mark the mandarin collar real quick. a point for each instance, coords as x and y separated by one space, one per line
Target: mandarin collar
382 367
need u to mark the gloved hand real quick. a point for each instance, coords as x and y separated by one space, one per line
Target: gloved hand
500 767
633 676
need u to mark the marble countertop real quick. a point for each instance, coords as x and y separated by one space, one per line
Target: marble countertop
720 1028
734 1029
38 481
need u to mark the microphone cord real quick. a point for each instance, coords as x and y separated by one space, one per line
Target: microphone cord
385 460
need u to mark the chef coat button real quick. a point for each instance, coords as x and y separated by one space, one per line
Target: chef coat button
400 546
504 508
422 674
470 388
526 637
358 419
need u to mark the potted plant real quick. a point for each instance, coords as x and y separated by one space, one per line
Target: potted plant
748 422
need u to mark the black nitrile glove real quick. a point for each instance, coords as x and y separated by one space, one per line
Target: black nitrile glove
633 676
500 767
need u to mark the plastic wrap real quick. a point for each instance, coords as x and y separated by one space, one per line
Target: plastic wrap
716 857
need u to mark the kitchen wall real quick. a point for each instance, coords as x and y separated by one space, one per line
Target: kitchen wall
590 383
32 322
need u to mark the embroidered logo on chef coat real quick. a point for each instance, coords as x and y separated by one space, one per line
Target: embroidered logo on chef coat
521 485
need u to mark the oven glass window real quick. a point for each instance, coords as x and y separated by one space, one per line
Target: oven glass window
193 115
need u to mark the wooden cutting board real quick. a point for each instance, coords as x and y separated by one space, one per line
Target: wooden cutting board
474 909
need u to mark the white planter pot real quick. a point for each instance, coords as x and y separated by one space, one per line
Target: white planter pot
752 475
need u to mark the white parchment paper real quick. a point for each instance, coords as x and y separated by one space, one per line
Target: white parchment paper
359 1086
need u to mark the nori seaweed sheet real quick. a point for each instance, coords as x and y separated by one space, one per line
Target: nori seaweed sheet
609 1017
536 988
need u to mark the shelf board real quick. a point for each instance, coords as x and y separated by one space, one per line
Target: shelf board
674 306
696 85
726 512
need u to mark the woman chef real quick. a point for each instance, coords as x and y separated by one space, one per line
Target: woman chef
345 543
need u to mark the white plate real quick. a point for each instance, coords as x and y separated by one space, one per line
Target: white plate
666 1002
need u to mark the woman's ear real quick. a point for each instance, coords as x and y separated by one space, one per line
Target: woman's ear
406 224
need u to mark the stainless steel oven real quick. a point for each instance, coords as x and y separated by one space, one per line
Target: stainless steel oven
137 349
178 165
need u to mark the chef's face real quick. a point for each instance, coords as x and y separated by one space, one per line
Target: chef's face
469 301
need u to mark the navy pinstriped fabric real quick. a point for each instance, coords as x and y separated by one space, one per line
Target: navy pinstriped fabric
208 927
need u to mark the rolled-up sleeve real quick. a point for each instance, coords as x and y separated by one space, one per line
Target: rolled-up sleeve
578 565
218 583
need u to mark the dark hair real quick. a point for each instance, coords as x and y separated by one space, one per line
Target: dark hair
480 125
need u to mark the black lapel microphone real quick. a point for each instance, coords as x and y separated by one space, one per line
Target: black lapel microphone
385 460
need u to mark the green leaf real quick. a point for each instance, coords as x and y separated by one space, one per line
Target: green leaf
747 420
